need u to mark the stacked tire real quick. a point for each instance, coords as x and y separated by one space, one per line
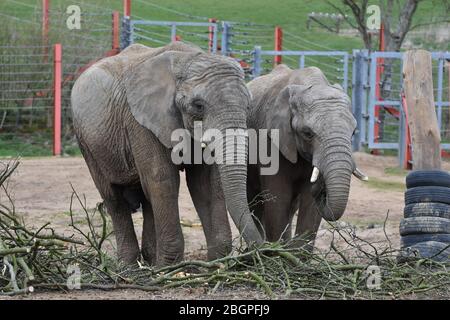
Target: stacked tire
425 229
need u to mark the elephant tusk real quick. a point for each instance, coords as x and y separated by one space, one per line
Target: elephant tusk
361 176
315 175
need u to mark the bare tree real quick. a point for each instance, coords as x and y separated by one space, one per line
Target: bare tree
397 19
395 15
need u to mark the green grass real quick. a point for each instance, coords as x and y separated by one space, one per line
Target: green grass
37 144
385 185
396 171
290 14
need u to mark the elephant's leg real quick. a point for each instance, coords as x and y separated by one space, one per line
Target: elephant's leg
308 220
161 185
127 244
148 247
160 181
276 218
117 208
204 186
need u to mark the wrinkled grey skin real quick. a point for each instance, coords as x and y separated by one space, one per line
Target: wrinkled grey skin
315 126
125 109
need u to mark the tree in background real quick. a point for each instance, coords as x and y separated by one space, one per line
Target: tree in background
396 16
397 19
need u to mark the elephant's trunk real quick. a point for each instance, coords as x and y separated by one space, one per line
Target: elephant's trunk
336 168
233 174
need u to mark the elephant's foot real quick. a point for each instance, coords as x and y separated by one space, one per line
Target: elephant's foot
128 256
149 254
170 254
220 249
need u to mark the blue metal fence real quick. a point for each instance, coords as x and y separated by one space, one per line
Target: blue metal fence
162 32
341 70
376 103
367 72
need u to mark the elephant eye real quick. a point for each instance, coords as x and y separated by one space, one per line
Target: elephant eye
197 106
307 133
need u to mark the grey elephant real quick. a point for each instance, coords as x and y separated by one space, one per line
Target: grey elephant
125 109
315 126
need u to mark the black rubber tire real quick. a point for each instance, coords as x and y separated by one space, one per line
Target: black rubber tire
422 178
427 194
436 251
427 209
412 239
421 225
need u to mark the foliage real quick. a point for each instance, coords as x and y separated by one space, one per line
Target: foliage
42 260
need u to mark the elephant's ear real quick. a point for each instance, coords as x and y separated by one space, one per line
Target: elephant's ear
278 117
150 87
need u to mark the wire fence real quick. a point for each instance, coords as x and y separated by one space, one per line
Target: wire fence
26 97
26 75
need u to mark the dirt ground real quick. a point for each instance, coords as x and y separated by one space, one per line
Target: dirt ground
41 189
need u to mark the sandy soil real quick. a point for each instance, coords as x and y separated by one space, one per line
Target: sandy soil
41 189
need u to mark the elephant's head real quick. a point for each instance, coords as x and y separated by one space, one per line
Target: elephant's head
173 89
315 122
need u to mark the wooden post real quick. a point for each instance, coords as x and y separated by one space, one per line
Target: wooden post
422 119
445 125
57 76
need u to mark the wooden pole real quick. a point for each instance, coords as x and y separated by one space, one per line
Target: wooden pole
422 119
57 58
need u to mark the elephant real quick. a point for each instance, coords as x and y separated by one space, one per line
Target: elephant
125 109
315 126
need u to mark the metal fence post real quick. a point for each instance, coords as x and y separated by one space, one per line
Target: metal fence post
302 61
278 45
345 77
357 87
256 71
214 39
115 46
173 32
45 27
127 8
126 36
57 76
225 40
211 34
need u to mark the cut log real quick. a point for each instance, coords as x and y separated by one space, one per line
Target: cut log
422 119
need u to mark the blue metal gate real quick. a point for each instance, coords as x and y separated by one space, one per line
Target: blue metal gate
157 33
337 72
377 86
